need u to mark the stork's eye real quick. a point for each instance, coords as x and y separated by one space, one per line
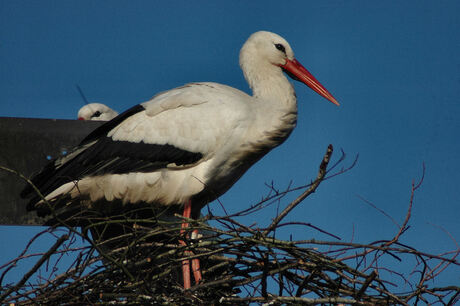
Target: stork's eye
281 48
96 114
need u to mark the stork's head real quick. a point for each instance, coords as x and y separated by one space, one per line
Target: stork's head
96 111
265 52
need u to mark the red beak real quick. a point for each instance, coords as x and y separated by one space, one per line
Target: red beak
80 118
301 73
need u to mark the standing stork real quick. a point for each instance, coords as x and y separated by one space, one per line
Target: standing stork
187 146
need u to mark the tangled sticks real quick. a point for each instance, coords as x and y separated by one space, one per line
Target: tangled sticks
240 264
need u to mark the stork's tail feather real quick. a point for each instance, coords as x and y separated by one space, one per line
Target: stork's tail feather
37 182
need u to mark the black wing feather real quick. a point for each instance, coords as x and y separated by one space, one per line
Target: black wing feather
106 156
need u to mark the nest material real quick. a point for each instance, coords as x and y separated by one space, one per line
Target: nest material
240 264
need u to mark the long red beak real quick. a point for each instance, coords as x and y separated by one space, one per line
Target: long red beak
301 73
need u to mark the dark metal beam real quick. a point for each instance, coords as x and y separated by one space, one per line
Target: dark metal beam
26 145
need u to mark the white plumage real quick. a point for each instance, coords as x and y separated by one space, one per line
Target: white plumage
229 129
96 111
189 144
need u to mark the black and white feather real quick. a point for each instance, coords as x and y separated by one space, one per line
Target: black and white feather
189 143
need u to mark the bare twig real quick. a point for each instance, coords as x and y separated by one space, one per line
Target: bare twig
312 189
235 257
39 263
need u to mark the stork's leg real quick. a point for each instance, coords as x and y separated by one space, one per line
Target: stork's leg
196 262
186 262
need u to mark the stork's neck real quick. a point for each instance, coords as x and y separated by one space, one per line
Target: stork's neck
276 106
270 84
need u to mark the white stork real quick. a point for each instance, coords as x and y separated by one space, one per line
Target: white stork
189 145
96 111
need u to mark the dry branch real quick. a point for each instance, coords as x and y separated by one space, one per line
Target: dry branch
240 264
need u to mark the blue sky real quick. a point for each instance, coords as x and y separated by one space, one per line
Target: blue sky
394 67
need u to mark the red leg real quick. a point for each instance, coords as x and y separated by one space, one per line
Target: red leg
186 263
196 263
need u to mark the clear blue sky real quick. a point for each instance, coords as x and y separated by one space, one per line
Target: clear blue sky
393 66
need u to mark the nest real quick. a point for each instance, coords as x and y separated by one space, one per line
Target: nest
240 264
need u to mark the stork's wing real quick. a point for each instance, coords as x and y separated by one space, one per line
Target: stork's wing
178 128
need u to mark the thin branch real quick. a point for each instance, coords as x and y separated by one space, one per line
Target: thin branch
37 265
312 189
